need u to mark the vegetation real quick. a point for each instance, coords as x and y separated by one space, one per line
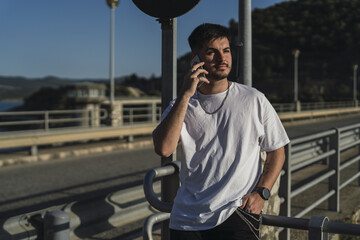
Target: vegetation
327 33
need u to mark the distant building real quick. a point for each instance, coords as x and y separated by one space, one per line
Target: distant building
86 92
87 96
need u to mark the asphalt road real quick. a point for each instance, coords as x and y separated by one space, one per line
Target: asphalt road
29 187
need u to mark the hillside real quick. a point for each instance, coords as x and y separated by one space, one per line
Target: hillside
18 88
327 33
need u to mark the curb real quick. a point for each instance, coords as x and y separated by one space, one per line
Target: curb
43 157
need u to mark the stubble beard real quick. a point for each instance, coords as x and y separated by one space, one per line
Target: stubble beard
219 76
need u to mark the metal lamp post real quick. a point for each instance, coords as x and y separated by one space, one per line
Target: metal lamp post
355 67
296 54
244 36
112 4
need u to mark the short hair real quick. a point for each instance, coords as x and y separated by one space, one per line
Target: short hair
206 32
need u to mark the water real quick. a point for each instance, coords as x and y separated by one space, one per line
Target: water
4 105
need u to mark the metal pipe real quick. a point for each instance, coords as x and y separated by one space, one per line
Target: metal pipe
315 204
112 54
151 221
313 160
312 183
344 184
350 162
149 178
244 37
296 54
313 136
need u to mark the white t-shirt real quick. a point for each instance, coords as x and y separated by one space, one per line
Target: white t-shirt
221 154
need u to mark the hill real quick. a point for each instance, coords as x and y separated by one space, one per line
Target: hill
18 88
327 33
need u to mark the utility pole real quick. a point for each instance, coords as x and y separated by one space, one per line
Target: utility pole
244 38
112 4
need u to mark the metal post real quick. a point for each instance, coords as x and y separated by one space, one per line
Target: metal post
33 150
316 226
112 54
358 132
57 225
169 184
334 180
153 112
46 121
244 37
285 191
296 53
355 67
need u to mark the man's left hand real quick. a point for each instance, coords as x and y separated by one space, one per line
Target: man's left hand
252 203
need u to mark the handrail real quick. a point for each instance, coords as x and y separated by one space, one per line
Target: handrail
172 168
317 225
329 144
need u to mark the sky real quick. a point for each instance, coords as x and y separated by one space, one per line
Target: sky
71 38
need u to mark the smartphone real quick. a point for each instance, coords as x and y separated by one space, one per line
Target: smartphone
194 61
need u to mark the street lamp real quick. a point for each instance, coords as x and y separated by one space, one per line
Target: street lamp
355 67
112 4
296 54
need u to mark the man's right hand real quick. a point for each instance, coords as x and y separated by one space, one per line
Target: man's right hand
191 80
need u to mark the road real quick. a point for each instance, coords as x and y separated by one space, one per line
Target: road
29 187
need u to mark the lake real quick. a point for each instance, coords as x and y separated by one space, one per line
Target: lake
4 105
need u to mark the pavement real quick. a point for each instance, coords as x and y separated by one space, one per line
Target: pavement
61 151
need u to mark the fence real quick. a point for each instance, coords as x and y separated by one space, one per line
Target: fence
130 112
307 106
46 120
324 147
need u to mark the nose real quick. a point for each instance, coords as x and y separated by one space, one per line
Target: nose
221 57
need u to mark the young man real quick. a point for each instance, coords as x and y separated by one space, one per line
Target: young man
222 126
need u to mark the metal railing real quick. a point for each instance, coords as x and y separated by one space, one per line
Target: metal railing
46 120
324 147
129 114
308 106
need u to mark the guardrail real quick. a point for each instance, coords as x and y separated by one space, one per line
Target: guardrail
324 147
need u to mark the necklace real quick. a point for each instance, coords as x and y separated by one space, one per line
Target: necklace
221 105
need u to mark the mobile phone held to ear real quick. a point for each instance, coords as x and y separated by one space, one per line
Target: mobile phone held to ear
194 61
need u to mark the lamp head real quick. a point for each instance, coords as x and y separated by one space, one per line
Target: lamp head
112 3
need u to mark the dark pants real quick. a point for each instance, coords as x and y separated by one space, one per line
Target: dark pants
234 228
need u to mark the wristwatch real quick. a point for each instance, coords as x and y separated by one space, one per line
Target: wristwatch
263 192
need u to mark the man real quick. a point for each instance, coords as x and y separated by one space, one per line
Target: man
221 126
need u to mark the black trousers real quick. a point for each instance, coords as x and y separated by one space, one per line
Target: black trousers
234 228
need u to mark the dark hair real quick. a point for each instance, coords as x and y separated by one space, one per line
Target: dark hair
206 32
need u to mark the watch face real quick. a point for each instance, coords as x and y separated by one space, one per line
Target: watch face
266 193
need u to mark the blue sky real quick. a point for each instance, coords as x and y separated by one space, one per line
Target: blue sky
70 38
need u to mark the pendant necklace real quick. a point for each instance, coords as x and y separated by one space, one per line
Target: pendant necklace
221 105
